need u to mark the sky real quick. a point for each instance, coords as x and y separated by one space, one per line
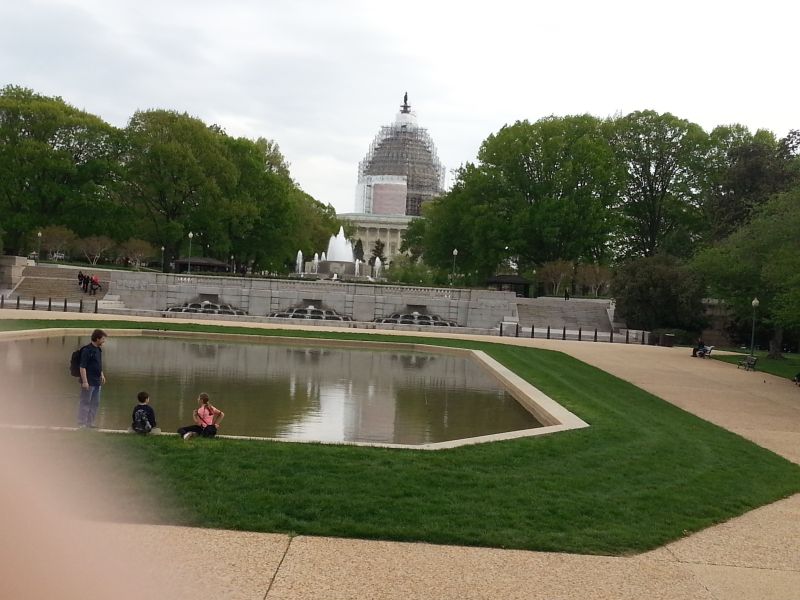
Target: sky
320 78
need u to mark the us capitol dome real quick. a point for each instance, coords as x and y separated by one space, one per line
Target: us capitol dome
400 172
401 169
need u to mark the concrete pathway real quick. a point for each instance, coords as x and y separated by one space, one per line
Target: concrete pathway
755 556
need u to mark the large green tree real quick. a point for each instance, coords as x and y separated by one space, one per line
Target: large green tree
312 224
178 171
761 259
540 191
555 179
256 211
58 166
461 220
658 292
748 170
660 204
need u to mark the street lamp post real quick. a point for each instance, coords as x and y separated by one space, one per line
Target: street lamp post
455 253
162 259
754 304
232 265
39 250
189 269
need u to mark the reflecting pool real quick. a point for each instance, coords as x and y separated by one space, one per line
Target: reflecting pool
277 390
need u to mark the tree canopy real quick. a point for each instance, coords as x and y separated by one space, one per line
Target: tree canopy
761 260
58 165
164 175
642 193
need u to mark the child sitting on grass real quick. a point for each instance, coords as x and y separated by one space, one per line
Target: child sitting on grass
206 420
144 417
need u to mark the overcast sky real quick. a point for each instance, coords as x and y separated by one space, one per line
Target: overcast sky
320 78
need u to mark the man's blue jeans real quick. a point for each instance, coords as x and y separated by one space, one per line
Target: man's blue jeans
87 408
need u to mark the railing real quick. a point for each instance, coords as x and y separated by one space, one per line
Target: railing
130 281
627 336
57 304
507 329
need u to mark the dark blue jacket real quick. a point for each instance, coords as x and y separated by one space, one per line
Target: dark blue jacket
92 361
151 414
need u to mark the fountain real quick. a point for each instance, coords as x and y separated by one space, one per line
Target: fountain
338 262
339 248
377 268
298 265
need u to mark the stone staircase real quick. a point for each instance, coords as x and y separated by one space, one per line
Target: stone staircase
111 301
57 283
559 313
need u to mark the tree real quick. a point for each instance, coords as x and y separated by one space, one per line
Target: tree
58 165
556 273
658 292
659 207
554 181
177 168
406 270
358 250
136 251
753 169
255 216
592 276
540 192
377 252
94 247
761 259
57 238
273 160
313 223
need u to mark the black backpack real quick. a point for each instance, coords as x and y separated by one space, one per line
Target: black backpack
75 361
141 424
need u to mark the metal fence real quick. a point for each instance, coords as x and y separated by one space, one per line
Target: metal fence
625 336
58 304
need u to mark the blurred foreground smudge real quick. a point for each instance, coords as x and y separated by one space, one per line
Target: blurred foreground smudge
67 533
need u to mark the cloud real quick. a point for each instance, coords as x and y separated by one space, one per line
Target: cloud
320 78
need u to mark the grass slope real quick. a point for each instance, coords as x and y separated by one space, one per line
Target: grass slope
643 474
787 367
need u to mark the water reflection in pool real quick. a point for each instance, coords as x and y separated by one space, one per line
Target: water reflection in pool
273 390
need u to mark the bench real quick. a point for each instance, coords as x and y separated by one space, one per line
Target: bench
749 363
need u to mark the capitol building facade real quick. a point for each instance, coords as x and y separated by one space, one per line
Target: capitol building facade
400 172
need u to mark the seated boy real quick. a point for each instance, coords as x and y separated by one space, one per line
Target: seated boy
144 417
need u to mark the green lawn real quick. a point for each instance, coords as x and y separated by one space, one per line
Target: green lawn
643 474
787 367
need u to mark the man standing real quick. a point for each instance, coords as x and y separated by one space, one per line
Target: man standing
92 379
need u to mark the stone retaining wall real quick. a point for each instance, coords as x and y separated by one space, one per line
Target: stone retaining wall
11 268
481 309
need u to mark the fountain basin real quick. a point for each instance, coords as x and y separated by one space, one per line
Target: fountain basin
239 360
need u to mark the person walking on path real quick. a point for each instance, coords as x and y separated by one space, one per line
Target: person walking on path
92 379
206 420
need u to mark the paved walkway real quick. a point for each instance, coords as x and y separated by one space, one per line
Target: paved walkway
755 556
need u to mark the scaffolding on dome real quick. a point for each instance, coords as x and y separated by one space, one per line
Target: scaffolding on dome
401 150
